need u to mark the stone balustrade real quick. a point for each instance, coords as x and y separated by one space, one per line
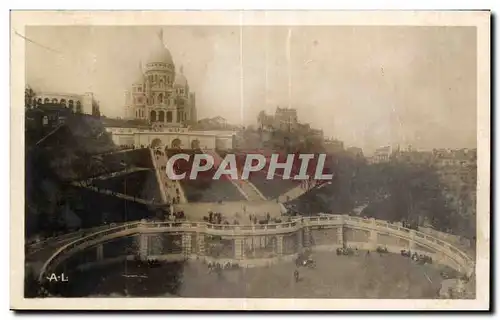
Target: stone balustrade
287 239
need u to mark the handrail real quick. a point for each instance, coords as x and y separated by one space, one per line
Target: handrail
374 224
34 244
83 240
439 242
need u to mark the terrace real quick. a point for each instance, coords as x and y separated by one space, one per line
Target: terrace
139 184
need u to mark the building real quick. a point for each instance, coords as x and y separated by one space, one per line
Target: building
215 123
158 93
47 116
172 138
382 154
355 152
77 103
411 156
454 158
284 119
333 145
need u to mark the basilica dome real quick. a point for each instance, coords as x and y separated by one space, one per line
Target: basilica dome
159 53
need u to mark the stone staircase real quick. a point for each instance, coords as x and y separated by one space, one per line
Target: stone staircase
157 165
167 186
292 194
245 187
249 190
297 191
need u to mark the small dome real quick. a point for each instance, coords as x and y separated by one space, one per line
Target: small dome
159 53
180 79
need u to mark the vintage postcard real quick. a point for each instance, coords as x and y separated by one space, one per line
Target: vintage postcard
250 160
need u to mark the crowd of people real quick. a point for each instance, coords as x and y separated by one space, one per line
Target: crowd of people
216 218
179 215
173 199
253 219
126 147
415 256
217 266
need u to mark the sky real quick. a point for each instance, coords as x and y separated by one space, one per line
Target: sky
367 86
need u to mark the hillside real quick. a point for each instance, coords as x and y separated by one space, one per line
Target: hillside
70 152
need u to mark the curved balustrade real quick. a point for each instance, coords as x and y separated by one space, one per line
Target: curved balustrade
34 245
394 230
465 262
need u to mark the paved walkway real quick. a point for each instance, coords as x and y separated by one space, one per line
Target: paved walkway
112 193
114 174
386 277
232 210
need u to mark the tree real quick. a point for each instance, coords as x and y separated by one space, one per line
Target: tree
96 108
29 96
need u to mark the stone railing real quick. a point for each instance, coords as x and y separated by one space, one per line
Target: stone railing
465 263
34 245
382 226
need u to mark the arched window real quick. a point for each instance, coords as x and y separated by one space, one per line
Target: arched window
160 98
152 116
39 101
156 143
161 116
46 100
169 116
54 100
71 105
45 120
195 144
176 143
162 82
78 107
63 102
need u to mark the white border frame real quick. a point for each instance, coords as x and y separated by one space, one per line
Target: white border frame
480 19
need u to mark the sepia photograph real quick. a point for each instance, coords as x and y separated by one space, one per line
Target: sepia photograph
218 160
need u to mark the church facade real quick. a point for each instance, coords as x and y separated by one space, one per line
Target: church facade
159 94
